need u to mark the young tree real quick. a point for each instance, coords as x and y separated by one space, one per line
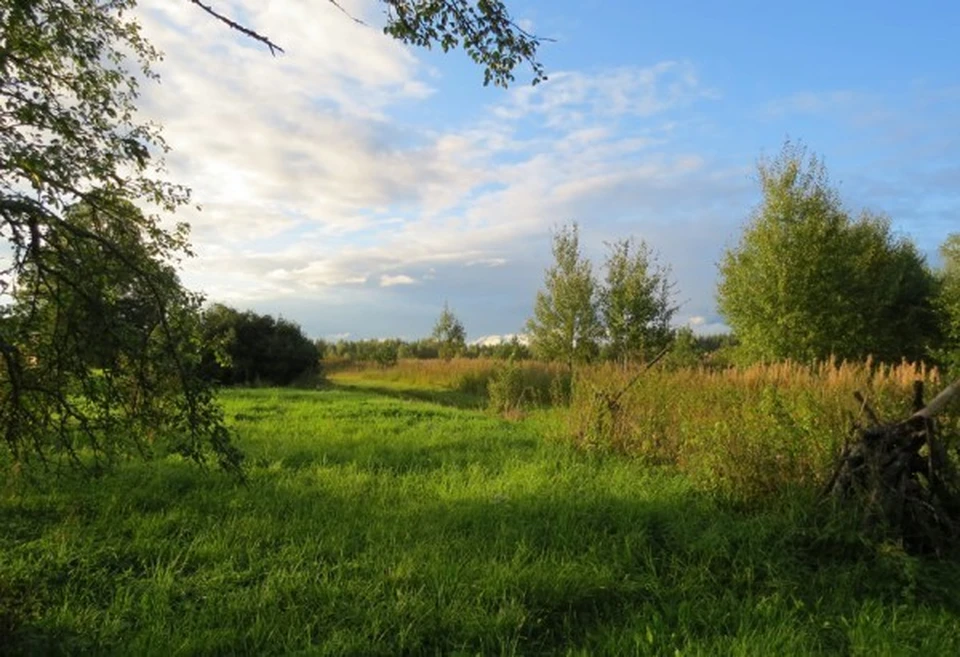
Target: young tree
949 301
636 302
807 281
449 334
565 325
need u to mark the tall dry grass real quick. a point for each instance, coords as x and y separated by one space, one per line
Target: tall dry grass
514 384
749 431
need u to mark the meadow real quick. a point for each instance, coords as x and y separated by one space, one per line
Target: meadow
392 514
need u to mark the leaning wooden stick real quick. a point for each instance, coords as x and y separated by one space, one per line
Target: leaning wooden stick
939 402
865 408
647 366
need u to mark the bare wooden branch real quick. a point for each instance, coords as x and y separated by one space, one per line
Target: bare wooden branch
939 402
918 395
900 477
347 13
647 366
865 408
274 48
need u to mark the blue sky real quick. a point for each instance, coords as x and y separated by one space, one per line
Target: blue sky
354 185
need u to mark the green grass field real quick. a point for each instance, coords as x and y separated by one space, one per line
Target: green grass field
380 520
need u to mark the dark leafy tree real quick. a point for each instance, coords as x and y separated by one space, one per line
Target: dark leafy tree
251 349
99 347
484 29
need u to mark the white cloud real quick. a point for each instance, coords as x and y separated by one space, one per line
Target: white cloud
399 279
570 99
711 328
487 262
815 102
312 189
494 340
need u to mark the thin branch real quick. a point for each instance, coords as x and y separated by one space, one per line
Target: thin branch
643 370
347 13
274 48
865 408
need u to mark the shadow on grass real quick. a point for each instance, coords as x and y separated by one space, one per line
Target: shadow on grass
450 398
399 460
540 568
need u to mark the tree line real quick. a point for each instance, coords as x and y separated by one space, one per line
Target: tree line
808 280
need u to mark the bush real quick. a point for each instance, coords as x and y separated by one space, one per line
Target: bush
247 348
515 387
506 391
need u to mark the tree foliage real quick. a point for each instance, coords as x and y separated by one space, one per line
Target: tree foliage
636 301
808 281
99 348
565 325
251 349
484 29
449 334
949 300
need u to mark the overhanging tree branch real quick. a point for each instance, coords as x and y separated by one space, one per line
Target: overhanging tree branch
483 29
274 48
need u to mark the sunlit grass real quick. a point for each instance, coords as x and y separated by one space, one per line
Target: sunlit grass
376 524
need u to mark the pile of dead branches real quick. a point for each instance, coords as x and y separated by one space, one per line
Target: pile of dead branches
903 478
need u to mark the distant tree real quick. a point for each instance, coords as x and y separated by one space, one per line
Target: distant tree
636 301
324 348
808 281
449 334
565 325
685 349
513 349
949 301
386 353
247 348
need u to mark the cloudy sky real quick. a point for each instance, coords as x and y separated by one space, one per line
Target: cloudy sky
354 184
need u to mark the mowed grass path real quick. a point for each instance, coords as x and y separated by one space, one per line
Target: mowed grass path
374 524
